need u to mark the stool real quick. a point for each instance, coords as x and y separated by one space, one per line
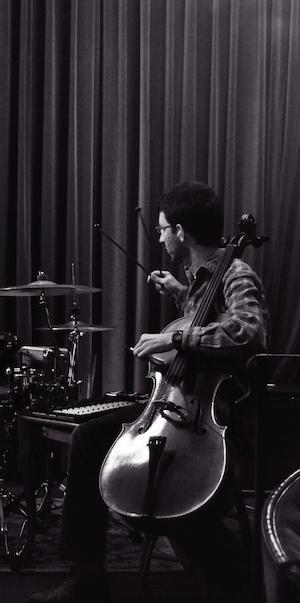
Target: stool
152 533
281 542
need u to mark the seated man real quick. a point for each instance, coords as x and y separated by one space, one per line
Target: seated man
190 227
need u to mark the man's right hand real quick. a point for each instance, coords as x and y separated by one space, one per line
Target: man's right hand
165 282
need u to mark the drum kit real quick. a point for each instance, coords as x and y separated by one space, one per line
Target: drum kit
45 377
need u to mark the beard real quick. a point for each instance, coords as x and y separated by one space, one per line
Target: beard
179 254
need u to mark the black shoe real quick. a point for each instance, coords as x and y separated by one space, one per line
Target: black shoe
82 586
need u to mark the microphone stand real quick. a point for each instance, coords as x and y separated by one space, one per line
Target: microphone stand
133 259
146 231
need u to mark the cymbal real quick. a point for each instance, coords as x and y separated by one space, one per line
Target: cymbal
49 287
80 326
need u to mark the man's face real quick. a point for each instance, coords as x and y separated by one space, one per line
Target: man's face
171 239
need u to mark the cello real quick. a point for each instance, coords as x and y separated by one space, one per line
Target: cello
172 460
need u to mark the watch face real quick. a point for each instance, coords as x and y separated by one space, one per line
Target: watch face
177 339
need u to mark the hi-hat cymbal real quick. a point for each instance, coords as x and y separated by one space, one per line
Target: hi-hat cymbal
49 287
79 326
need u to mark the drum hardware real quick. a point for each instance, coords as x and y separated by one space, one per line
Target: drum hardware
72 385
42 354
9 345
31 390
8 500
76 330
42 287
38 384
74 327
50 363
8 342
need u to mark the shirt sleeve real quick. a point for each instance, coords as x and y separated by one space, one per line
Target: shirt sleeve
243 325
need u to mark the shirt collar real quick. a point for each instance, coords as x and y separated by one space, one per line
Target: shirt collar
192 272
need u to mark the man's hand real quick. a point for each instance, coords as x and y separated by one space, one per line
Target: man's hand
165 282
150 343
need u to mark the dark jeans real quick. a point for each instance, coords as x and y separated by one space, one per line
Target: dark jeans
84 524
205 539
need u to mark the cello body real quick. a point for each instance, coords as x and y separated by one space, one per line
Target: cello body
194 456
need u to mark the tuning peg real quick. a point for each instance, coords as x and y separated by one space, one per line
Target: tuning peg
258 241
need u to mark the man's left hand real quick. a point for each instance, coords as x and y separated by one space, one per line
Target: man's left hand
150 343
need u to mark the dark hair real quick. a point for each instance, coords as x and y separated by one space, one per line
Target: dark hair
197 208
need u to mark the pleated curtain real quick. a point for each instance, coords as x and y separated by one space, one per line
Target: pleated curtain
106 103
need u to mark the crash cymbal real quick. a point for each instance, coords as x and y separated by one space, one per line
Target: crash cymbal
49 287
80 326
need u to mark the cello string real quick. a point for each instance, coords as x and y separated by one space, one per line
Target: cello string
212 290
178 364
176 369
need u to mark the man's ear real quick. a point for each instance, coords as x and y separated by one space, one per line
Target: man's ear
180 232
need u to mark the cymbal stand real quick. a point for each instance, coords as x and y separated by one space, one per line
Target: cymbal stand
44 490
71 396
55 348
44 304
74 338
9 501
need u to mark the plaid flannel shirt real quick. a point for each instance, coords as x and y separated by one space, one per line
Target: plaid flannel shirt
239 321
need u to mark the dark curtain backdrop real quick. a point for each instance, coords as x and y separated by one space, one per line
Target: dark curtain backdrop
104 104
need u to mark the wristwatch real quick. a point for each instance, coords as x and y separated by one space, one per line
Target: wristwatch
177 339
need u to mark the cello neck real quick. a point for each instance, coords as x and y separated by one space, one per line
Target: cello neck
234 248
203 310
177 368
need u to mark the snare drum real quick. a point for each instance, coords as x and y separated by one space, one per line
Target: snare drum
44 359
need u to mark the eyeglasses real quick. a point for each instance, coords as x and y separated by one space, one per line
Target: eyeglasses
160 229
